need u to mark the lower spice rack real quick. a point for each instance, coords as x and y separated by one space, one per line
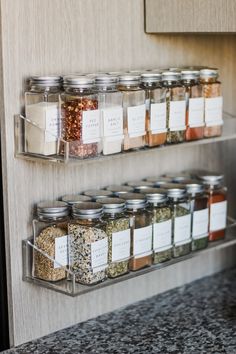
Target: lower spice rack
72 288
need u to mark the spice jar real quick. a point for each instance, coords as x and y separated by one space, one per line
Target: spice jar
72 199
80 117
141 230
194 104
217 202
42 110
50 237
118 232
181 218
176 107
111 110
134 111
199 214
162 226
95 194
88 243
213 102
155 108
119 190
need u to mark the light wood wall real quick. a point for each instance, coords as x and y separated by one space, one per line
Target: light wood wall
68 36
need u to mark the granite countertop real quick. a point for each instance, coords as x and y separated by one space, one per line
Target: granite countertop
196 318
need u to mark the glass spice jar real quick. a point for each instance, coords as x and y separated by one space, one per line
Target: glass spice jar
134 111
118 232
42 109
141 231
181 218
80 117
111 110
176 107
50 237
88 243
213 102
217 202
194 104
199 214
119 190
162 226
95 194
156 125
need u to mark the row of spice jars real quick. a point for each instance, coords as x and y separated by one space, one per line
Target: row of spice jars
111 236
108 114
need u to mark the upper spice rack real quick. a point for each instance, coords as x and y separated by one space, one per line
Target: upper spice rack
229 133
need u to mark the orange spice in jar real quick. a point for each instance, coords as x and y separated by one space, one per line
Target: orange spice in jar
80 125
213 102
133 110
194 105
156 125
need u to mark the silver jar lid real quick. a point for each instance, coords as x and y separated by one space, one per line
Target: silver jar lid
208 73
53 209
75 198
112 205
105 79
114 188
80 81
44 81
152 190
134 200
129 79
194 188
158 181
97 193
87 210
190 74
141 189
180 179
157 197
151 77
212 180
175 191
139 184
171 76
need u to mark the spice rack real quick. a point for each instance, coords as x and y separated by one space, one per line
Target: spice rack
229 133
71 288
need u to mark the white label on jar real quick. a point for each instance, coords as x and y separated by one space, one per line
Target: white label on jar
99 255
112 122
162 235
91 126
120 245
177 115
142 242
200 223
214 111
147 104
158 118
182 229
52 123
61 252
136 120
196 112
218 216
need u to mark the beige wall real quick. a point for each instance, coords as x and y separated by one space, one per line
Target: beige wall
65 36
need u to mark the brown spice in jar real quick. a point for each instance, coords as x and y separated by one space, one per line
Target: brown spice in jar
216 198
193 133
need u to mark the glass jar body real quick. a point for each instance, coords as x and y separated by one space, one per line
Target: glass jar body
110 106
162 231
156 125
181 227
88 250
50 236
200 221
42 109
134 116
80 125
176 112
118 232
141 238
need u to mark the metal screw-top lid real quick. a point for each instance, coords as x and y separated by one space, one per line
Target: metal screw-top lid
171 76
80 81
97 193
129 79
152 190
105 79
53 209
112 205
158 196
180 179
87 210
140 184
116 73
194 188
141 189
208 73
114 188
134 200
72 199
174 190
158 181
212 179
175 69
151 77
190 74
44 81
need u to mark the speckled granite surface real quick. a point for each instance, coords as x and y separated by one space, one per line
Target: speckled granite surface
197 318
